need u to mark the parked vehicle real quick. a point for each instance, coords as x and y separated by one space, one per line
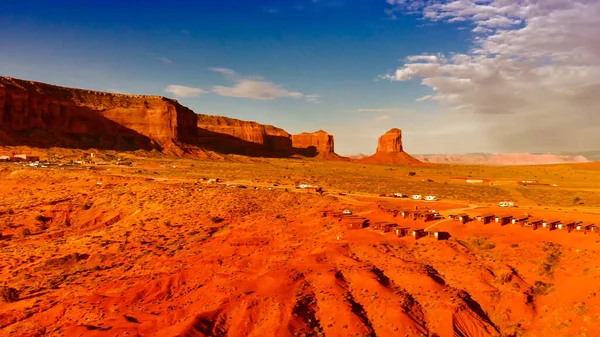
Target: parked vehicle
416 197
347 212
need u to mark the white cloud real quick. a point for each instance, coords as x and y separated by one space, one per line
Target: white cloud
183 91
372 110
224 71
313 98
531 80
382 118
165 60
255 88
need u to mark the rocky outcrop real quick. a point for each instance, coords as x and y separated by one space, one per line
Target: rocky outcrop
390 142
314 144
230 135
390 151
44 115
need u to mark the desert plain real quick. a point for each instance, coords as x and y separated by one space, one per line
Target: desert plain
153 249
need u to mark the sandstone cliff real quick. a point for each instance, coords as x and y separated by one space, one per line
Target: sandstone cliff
390 151
230 135
314 144
390 142
44 115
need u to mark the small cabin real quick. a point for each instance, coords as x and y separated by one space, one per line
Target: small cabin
592 228
462 217
433 234
516 221
418 233
503 219
356 225
401 231
389 227
567 225
550 224
428 216
485 218
378 225
580 227
532 223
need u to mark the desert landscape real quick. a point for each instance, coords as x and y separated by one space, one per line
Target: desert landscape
130 215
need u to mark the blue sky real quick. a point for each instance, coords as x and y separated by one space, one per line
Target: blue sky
302 65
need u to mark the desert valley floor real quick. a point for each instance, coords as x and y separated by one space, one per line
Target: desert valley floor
153 250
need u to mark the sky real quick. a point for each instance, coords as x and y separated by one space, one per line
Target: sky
456 76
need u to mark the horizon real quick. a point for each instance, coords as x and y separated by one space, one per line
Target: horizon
457 77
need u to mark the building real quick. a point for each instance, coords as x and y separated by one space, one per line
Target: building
4 158
401 231
462 217
389 227
418 233
485 218
516 221
550 224
591 228
503 219
567 225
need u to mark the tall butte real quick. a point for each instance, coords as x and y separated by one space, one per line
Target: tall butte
390 151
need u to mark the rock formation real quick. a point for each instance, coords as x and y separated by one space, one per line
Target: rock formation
230 135
390 151
390 142
314 144
44 115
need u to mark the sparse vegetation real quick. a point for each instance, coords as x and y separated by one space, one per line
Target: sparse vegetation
553 256
541 288
482 243
580 309
25 232
9 294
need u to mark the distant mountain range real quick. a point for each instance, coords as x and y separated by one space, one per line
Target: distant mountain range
506 158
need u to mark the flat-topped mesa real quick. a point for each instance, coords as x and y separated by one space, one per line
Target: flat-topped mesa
391 141
390 151
230 135
43 115
314 144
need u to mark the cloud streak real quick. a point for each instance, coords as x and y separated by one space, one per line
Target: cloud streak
530 80
256 88
184 91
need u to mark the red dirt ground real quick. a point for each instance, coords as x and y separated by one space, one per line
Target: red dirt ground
176 258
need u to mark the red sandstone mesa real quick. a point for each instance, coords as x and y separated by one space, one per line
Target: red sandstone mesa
319 143
43 115
39 114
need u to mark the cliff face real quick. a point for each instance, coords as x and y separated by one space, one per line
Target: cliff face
311 144
49 115
390 151
43 115
230 135
390 142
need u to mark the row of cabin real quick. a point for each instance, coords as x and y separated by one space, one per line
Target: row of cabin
525 221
